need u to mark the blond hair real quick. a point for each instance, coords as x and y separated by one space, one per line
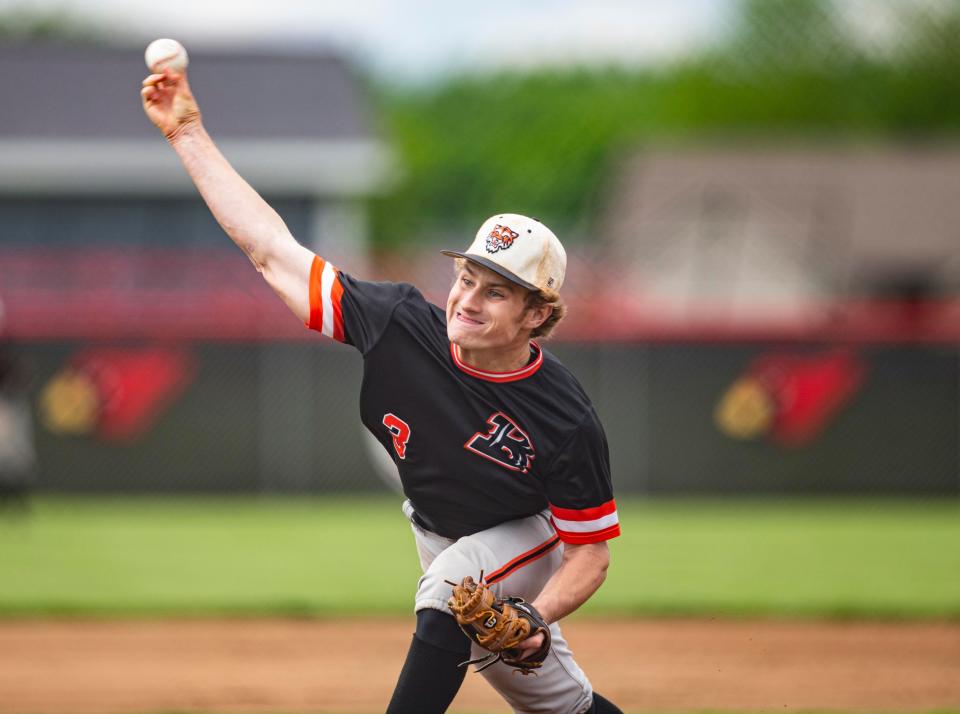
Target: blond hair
538 298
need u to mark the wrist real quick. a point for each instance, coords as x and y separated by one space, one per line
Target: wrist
545 610
186 130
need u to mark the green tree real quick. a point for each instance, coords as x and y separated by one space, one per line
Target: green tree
547 142
22 24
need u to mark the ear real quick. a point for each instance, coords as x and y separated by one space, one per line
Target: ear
536 316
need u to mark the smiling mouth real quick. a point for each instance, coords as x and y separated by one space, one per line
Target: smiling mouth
469 320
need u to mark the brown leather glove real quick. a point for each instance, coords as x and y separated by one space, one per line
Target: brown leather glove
498 625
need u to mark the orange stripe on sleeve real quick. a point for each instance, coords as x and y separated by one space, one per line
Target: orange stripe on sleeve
336 293
316 300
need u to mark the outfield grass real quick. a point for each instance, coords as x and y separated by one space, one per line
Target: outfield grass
338 556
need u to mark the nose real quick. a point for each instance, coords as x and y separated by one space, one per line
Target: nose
468 300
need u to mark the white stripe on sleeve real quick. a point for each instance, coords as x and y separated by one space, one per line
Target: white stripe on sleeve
597 524
326 283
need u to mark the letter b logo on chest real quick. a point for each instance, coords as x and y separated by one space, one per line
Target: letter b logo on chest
504 443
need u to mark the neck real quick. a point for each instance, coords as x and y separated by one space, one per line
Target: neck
499 360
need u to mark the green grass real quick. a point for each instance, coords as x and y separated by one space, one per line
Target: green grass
340 556
806 558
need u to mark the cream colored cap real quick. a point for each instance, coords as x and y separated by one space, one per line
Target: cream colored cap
521 249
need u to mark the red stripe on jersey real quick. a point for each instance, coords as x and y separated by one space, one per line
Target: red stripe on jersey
336 293
522 560
499 377
584 514
316 300
594 537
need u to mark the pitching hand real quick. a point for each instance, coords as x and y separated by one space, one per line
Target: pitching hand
168 102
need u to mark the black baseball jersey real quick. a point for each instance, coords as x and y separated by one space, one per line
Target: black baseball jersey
474 449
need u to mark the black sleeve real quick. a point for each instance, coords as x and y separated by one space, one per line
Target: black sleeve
349 310
368 308
579 487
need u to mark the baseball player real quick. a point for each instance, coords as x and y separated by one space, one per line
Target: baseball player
502 457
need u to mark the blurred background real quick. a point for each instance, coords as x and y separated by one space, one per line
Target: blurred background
759 200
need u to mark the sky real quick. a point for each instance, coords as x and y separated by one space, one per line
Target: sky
419 39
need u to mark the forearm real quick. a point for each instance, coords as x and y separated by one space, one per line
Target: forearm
241 212
249 220
582 572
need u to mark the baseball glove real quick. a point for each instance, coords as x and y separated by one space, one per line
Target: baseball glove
498 625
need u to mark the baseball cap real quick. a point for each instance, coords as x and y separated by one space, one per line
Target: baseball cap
520 249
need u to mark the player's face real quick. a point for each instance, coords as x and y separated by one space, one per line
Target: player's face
486 312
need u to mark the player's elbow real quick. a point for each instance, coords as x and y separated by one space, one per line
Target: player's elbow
594 557
599 562
602 556
270 249
287 272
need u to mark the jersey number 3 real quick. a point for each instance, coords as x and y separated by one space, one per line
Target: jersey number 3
400 431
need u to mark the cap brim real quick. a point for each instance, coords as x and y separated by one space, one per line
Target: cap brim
489 264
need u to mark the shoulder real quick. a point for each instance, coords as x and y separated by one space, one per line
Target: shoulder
361 312
373 288
387 296
583 424
417 308
399 304
554 399
557 377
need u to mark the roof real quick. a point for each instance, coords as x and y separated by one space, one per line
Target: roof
788 224
71 120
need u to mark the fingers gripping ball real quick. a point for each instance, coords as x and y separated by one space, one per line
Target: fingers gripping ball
498 625
166 54
165 94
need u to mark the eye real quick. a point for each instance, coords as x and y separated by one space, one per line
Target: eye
495 293
466 281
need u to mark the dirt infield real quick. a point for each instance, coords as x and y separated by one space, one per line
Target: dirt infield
350 666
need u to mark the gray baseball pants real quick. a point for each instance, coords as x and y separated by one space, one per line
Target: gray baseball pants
518 557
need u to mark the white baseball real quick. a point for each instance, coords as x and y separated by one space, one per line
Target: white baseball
166 54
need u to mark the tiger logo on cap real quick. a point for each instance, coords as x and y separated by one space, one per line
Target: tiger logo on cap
500 238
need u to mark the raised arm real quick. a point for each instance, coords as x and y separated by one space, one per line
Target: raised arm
249 221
